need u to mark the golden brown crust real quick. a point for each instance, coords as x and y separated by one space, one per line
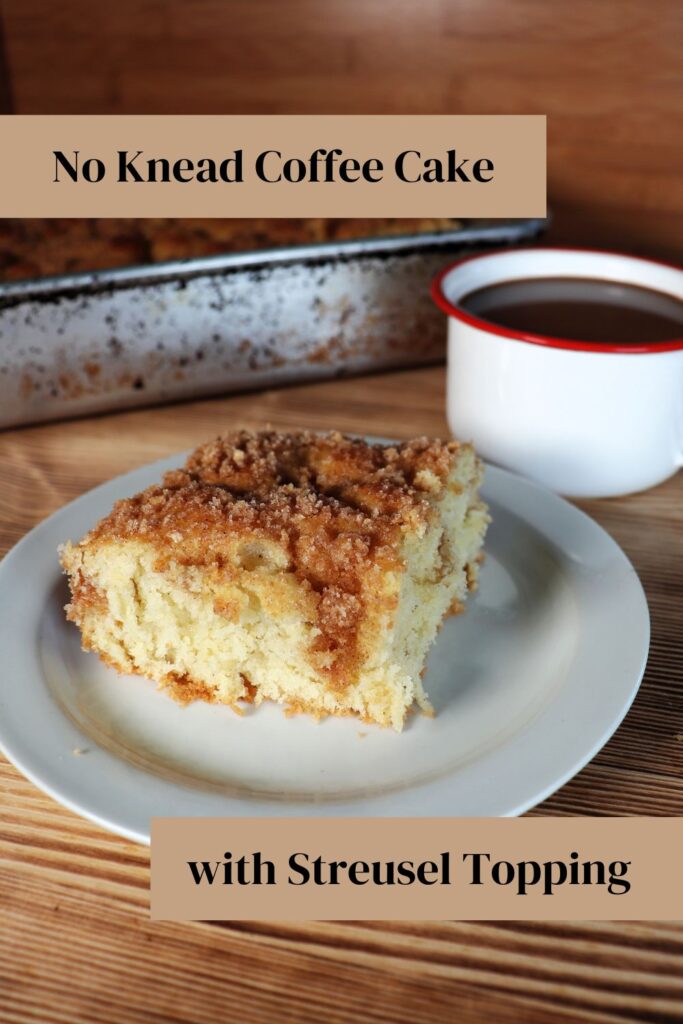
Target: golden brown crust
456 607
185 690
85 596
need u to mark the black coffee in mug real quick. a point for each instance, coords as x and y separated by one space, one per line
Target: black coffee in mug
580 309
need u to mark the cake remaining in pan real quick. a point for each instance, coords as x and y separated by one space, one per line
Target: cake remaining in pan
313 570
38 248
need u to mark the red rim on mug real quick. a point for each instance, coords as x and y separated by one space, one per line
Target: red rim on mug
454 310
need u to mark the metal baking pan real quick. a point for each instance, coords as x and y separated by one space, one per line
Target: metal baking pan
114 339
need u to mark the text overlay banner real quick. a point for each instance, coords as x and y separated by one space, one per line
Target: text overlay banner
419 869
273 166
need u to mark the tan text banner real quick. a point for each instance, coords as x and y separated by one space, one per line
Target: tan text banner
273 166
419 869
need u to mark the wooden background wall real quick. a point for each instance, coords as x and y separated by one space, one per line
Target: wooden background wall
607 72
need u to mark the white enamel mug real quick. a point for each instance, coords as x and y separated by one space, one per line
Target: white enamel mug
585 419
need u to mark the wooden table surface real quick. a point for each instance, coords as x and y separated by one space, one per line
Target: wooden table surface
76 944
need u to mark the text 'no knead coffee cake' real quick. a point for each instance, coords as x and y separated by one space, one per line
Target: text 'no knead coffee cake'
313 570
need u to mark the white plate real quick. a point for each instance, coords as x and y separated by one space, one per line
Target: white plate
527 686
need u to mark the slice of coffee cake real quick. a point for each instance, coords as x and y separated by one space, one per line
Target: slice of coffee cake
313 570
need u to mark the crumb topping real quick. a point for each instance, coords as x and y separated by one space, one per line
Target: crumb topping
377 479
303 490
